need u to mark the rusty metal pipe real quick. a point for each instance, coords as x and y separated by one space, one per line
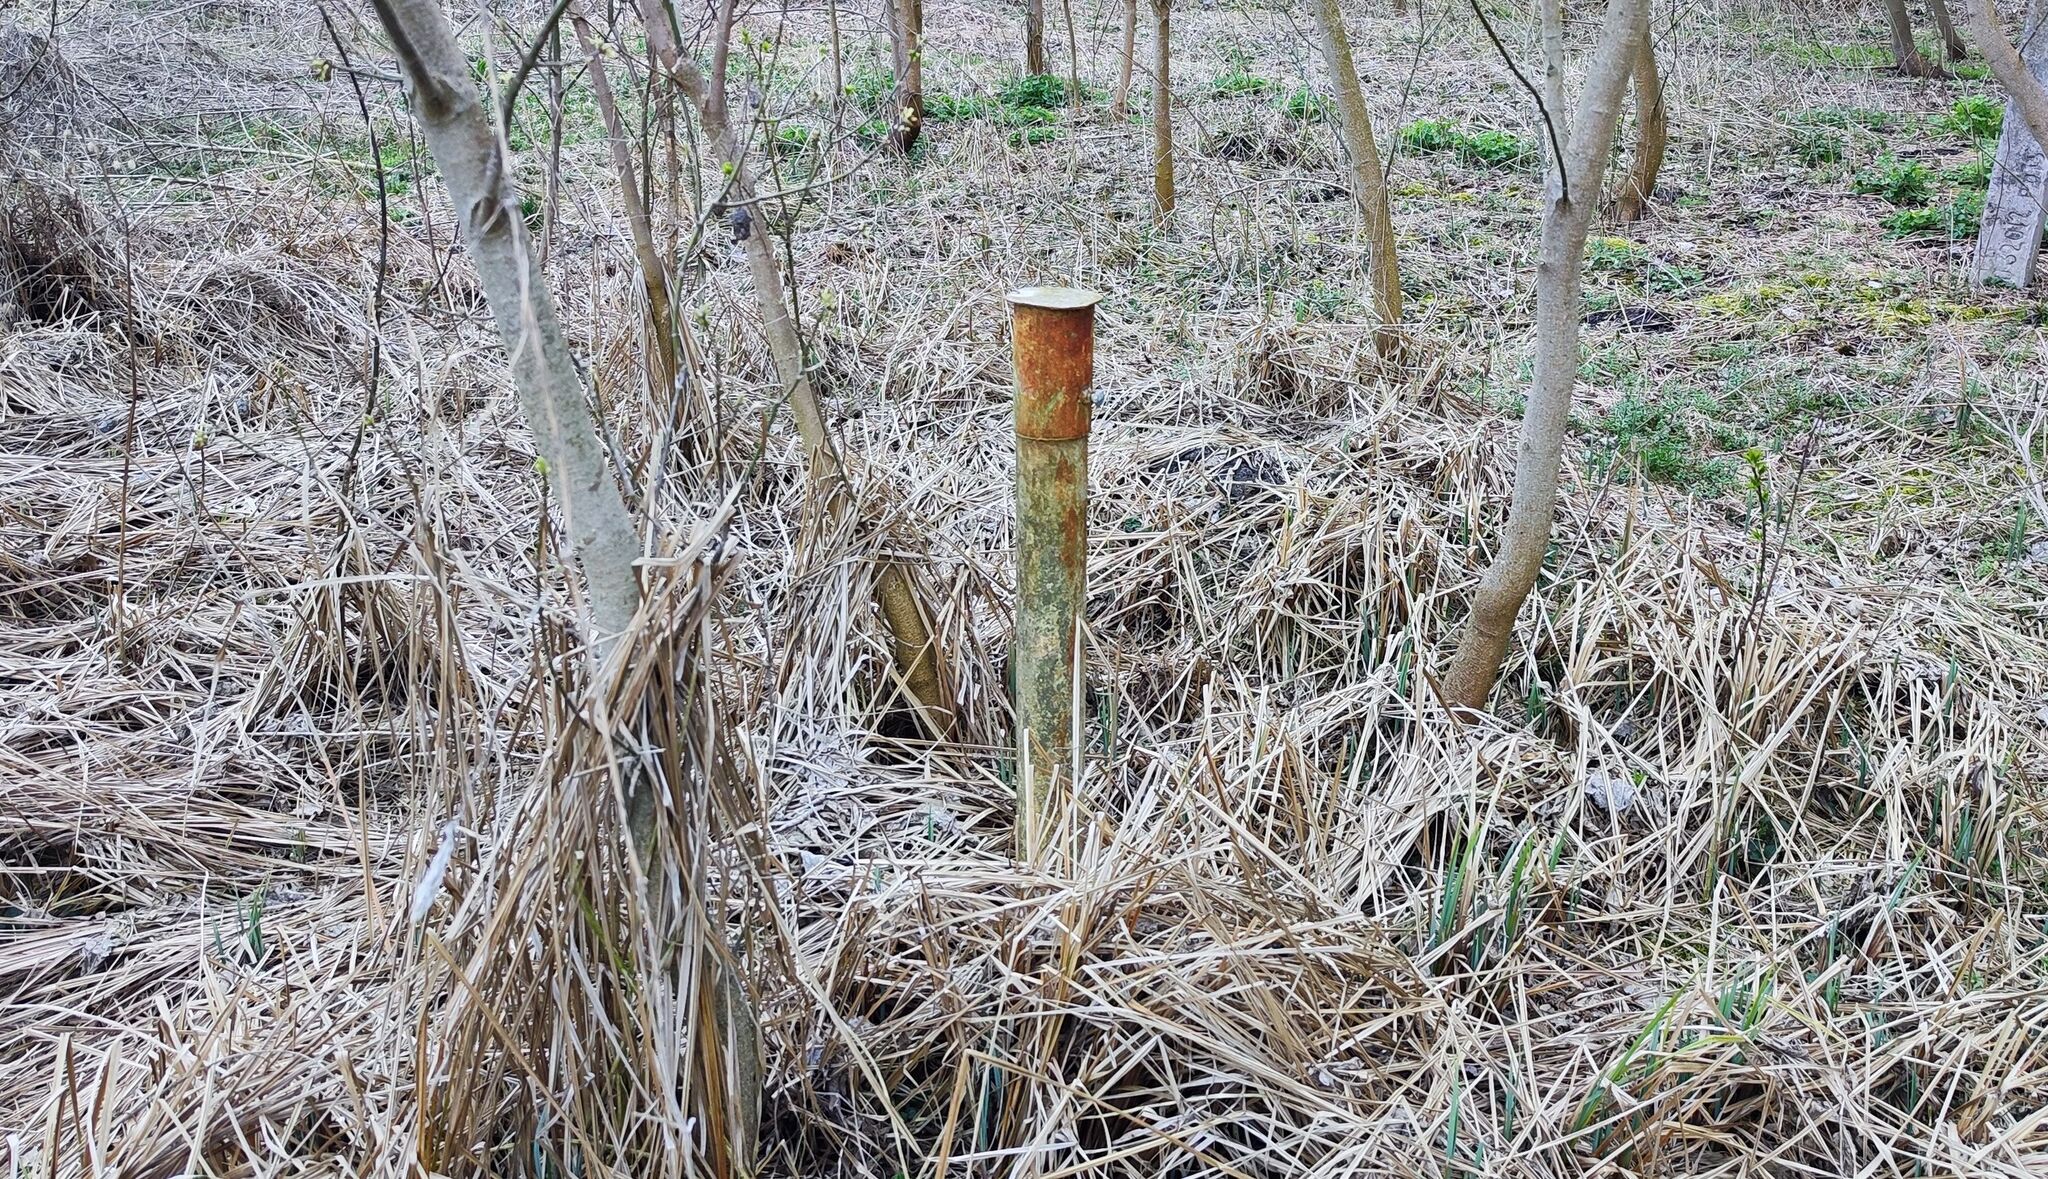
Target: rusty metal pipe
1053 347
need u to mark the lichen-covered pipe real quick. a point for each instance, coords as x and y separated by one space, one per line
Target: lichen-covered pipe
1053 345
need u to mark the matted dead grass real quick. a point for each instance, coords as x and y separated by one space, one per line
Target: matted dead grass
1742 877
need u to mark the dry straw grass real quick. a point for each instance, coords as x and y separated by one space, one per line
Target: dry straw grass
1743 877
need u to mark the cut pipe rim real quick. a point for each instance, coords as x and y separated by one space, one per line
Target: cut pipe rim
1054 298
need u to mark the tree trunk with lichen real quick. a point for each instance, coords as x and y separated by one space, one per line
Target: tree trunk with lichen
1653 134
1034 36
460 135
1576 186
1368 180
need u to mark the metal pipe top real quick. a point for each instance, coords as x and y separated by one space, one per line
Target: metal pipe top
1054 298
1052 341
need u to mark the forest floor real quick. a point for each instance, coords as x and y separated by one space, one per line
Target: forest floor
1744 874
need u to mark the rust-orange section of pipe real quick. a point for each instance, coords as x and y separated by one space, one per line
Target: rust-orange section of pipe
1053 344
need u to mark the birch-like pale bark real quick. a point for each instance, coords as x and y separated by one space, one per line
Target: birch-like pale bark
464 142
1905 54
1162 110
1560 268
915 653
1120 104
1653 134
2012 72
1368 180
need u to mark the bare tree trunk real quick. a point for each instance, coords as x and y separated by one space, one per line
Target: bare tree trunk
1162 111
1034 36
1653 133
1905 54
1120 104
1368 181
463 139
2027 92
1951 44
834 56
1073 57
663 364
917 657
1560 267
906 48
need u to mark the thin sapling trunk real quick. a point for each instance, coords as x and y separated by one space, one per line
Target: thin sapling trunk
1162 109
460 135
906 49
1576 186
1120 103
1034 36
1952 45
1368 180
915 653
1653 133
1906 56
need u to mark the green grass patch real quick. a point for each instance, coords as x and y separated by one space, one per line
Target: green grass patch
1237 82
1670 436
1042 91
1486 148
1904 183
1950 220
1974 117
1306 106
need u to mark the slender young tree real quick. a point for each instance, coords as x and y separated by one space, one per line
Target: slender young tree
906 48
1074 95
1578 160
1653 134
1162 109
1120 103
663 360
463 140
1952 45
1368 181
1906 57
917 656
1034 36
465 144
